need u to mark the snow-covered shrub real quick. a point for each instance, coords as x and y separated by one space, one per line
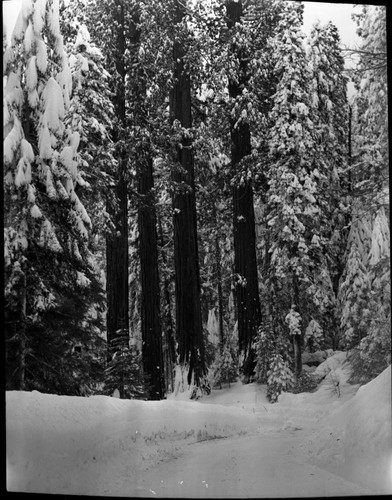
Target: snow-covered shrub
314 335
306 382
124 373
264 347
371 357
224 369
293 320
333 382
280 378
268 343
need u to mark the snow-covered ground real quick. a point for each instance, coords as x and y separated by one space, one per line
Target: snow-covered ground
233 443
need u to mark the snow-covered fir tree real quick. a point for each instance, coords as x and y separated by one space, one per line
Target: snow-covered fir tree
329 94
364 291
279 378
49 269
295 218
224 369
271 340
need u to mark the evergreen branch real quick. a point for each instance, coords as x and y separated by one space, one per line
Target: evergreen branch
44 363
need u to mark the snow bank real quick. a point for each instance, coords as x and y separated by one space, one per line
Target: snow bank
352 434
355 439
334 366
64 445
368 434
99 445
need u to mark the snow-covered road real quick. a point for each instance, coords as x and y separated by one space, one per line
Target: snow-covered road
257 466
232 443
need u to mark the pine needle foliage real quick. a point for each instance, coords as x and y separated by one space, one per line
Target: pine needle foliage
124 373
225 369
279 378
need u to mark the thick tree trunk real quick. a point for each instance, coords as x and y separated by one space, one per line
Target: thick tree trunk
297 356
245 263
22 334
169 350
186 260
297 339
117 243
117 271
148 244
220 288
150 301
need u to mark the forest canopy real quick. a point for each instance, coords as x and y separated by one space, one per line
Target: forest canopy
190 197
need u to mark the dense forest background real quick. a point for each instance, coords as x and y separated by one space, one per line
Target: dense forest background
190 198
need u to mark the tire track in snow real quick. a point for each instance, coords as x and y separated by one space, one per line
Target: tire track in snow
255 466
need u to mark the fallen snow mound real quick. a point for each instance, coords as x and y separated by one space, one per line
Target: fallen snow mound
52 440
355 440
368 433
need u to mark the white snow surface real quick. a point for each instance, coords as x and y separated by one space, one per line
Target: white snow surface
305 445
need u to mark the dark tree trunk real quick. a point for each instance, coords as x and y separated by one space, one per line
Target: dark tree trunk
15 337
218 273
297 339
150 301
148 244
220 288
169 350
186 260
117 243
117 271
22 333
245 263
297 356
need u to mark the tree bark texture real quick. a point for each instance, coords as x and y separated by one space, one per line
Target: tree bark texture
297 356
245 263
297 339
117 273
169 350
186 259
218 266
150 301
117 243
148 242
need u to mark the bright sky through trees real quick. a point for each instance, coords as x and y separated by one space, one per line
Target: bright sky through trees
339 14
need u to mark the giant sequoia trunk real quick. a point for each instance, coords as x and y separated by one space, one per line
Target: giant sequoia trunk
117 243
148 245
297 339
150 300
218 271
186 260
245 264
117 270
169 350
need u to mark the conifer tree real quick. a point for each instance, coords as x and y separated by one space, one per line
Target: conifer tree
330 107
188 309
364 294
142 160
294 215
117 257
49 268
91 114
108 23
245 263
